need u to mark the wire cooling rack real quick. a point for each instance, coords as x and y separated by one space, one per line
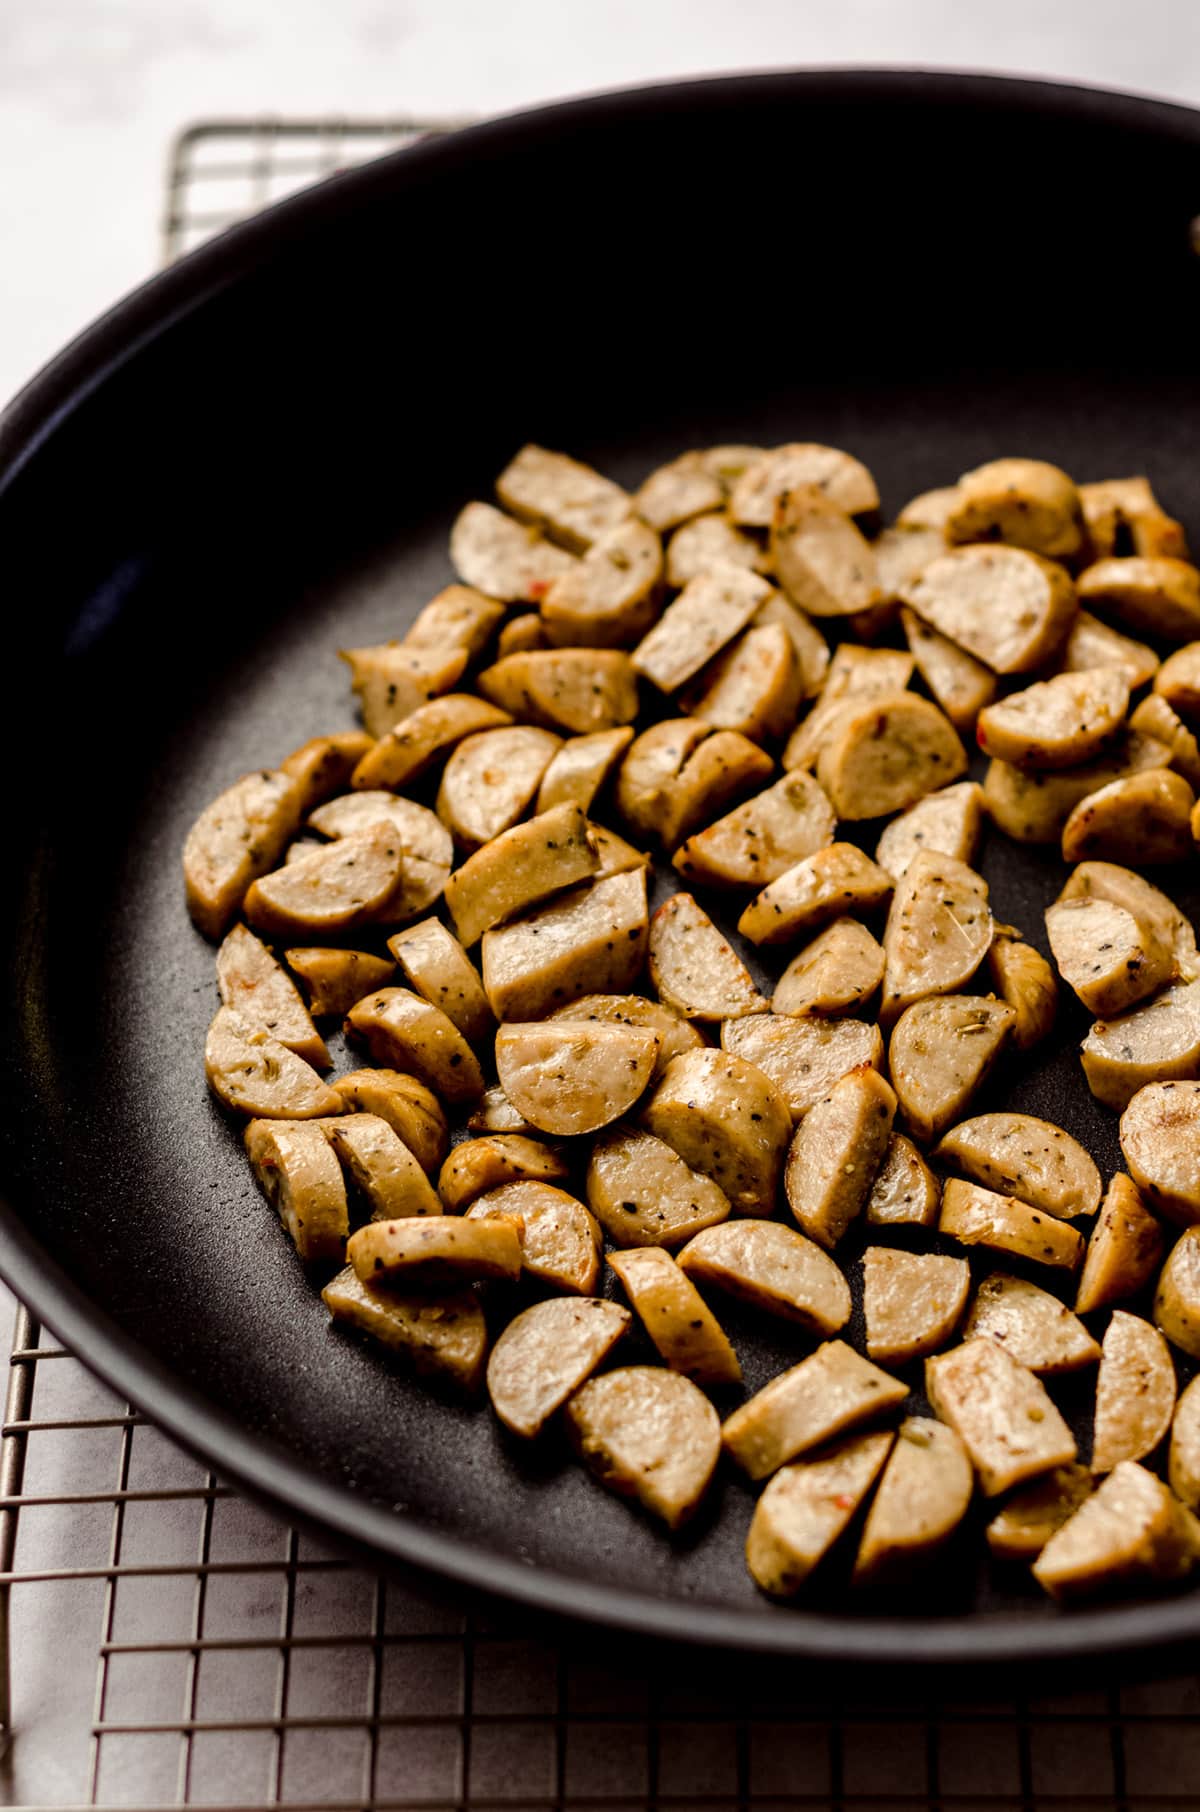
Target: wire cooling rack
164 1642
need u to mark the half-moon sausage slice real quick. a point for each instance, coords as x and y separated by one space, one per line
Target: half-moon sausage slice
1008 607
981 1217
1147 903
392 679
1002 1414
442 1337
837 973
1092 644
804 1058
1178 682
1135 1392
922 1498
835 1153
774 1269
824 886
930 509
505 559
830 1392
684 1329
652 766
806 1507
421 833
905 1191
256 986
1032 1515
545 1354
1143 818
1159 597
901 552
676 492
1055 723
1024 502
710 541
855 677
439 969
1124 1251
435 1253
755 685
912 1301
1034 808
459 616
648 1434
571 502
519 867
479 1165
884 755
335 978
1020 1155
948 821
592 940
726 1119
675 1035
560 1242
579 769
608 599
574 1076
643 1194
961 685
322 766
844 480
760 840
710 610
938 931
405 1032
1035 1327
1132 1529
821 558
424 841
695 969
1024 980
430 731
355 881
380 1164
940 1054
1117 510
1183 1468
1160 1140
1155 717
302 1180
252 1072
580 690
1177 1299
1158 1039
241 835
411 1110
723 767
490 780
521 633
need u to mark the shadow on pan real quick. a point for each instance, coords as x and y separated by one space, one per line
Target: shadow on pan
256 459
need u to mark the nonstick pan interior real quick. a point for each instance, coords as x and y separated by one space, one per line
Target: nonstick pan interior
257 461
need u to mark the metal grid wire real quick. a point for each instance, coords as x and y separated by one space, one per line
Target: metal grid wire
163 1642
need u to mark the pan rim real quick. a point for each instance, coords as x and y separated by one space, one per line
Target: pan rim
255 1462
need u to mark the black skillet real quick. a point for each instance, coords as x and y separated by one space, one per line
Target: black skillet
256 459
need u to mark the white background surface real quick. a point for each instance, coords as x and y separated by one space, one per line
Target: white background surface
92 91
